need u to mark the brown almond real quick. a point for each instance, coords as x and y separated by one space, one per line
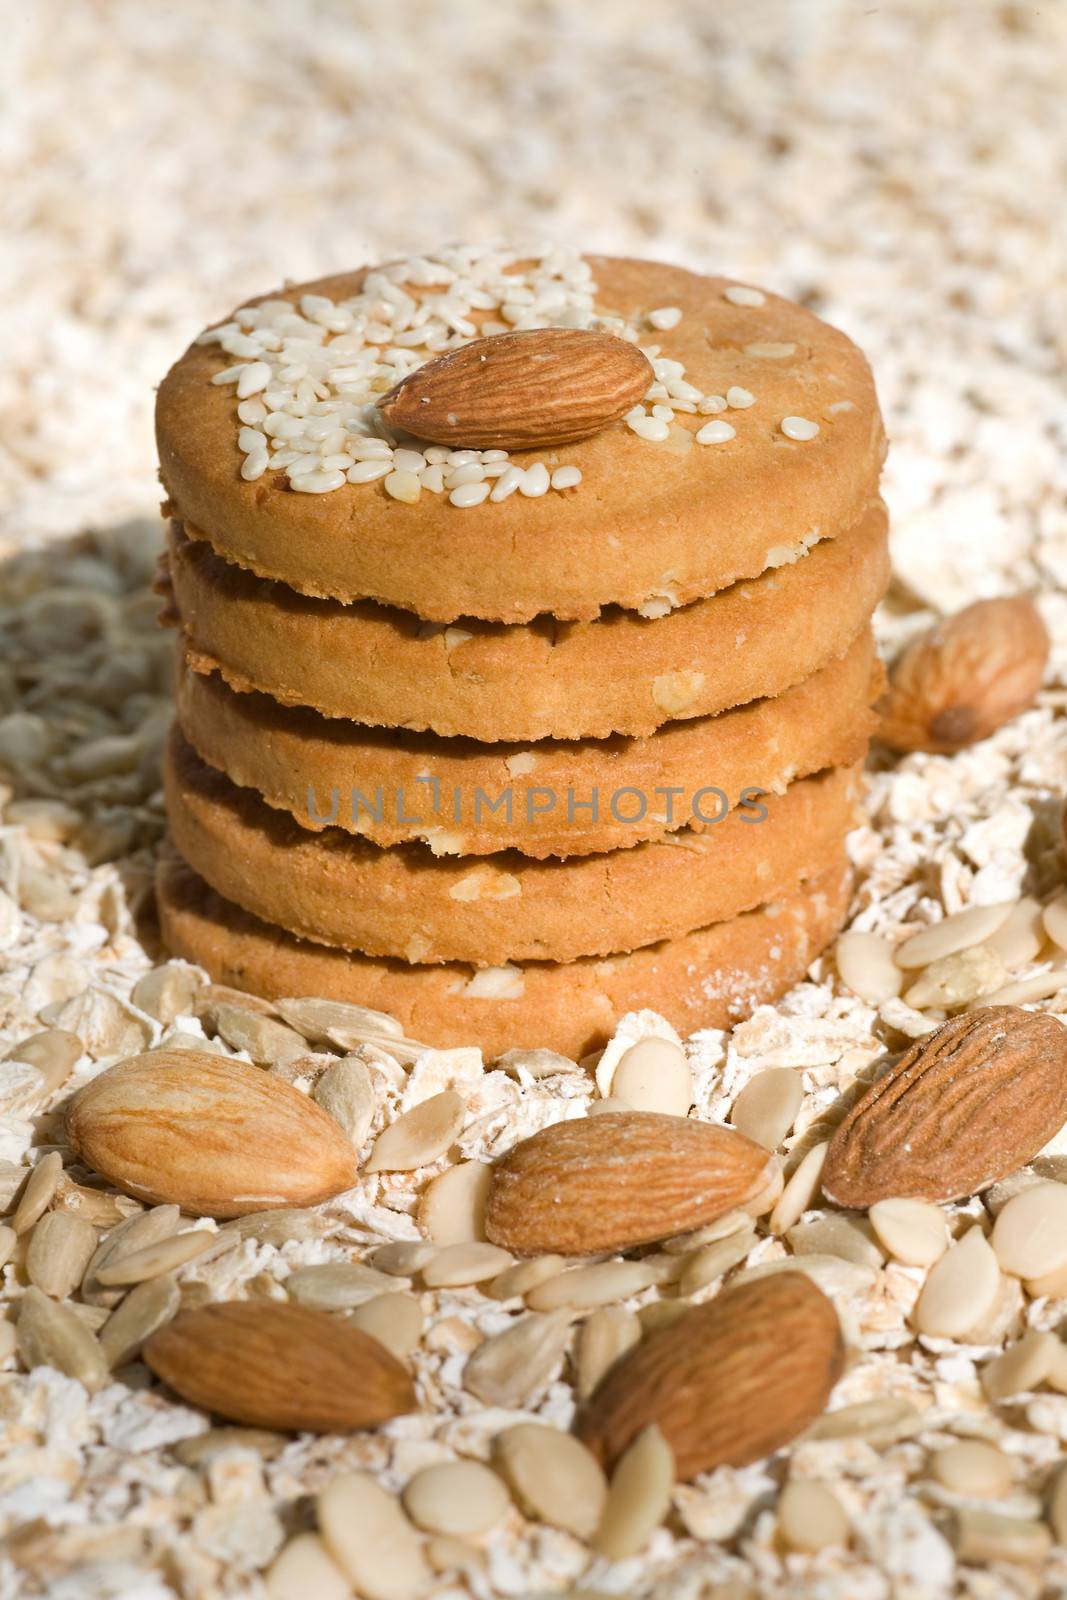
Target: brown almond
514 391
214 1136
618 1180
728 1383
963 679
966 1105
281 1367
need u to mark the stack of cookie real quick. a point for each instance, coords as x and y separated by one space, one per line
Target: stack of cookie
521 683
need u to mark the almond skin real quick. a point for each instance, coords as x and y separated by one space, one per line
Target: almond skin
966 1105
217 1137
279 1366
726 1384
515 391
617 1180
963 679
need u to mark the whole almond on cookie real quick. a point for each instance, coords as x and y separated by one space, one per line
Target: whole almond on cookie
963 679
279 1366
215 1136
617 1180
513 391
728 1382
966 1105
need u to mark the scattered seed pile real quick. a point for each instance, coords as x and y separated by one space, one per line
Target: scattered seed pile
789 157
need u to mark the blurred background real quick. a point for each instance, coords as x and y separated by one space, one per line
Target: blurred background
900 167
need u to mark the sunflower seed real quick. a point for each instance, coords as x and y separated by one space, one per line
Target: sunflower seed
305 1567
265 1041
982 1537
523 1277
463 1498
345 1091
403 1258
638 1498
50 1334
334 1022
58 1253
513 1367
168 992
146 1308
712 1260
339 1285
152 1260
879 1422
420 1135
395 1320
452 1209
279 1227
367 1534
553 1476
582 1288
103 1210
835 1235
38 1191
972 1467
203 1447
810 1517
455 1265
602 1339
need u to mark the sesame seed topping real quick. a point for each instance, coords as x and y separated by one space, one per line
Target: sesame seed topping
665 317
469 494
715 433
739 399
566 477
800 428
739 295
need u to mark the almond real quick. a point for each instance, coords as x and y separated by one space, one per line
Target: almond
214 1136
963 679
966 1105
726 1384
280 1366
618 1180
514 391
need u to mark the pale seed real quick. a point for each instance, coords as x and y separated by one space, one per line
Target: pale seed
147 1307
960 1289
866 966
582 1288
345 1091
8 1340
554 1478
1030 1234
1023 1367
972 1467
96 1206
1054 920
1057 1510
957 980
683 1244
514 1366
336 1022
339 1285
654 1075
59 1250
452 1208
305 1568
420 1136
712 1260
50 1334
281 1226
168 992
800 1190
461 1498
1042 986
639 1496
403 1258
879 1422
602 1339
524 1276
835 1235
199 1448
265 1041
8 1241
982 1537
395 1320
913 1231
371 1540
152 1260
456 1265
134 1234
958 932
810 1517
38 1191
1019 939
661 1314
446 1554
766 1108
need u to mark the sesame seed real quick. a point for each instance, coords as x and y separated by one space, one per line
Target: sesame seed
469 494
800 428
715 433
665 317
535 481
566 477
368 471
739 295
316 482
507 483
739 399
254 465
710 404
254 378
403 486
433 477
408 460
249 439
653 428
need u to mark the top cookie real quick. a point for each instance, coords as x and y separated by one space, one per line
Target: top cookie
270 445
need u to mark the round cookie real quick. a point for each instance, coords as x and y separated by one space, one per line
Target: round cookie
543 680
648 519
708 979
407 904
416 787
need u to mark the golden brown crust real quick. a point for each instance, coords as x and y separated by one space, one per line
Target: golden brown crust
311 765
545 680
709 979
646 517
408 904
